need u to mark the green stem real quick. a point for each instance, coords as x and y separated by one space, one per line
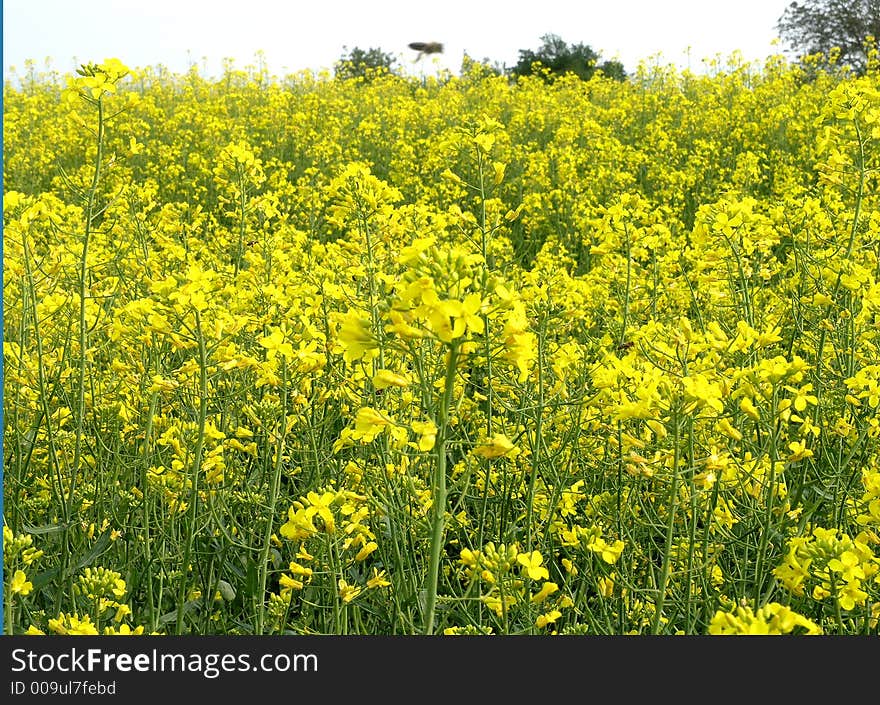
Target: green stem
439 492
670 530
145 514
83 345
768 514
536 446
83 273
10 623
820 348
273 500
242 223
196 469
625 321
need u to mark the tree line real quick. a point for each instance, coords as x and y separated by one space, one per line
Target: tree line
553 58
841 33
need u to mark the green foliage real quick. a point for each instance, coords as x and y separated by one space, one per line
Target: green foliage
555 57
836 28
362 63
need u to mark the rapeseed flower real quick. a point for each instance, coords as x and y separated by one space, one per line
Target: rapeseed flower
19 584
670 337
356 338
532 565
494 447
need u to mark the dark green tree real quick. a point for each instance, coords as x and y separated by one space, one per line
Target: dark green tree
362 63
557 57
819 26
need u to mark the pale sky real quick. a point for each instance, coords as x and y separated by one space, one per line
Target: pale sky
298 35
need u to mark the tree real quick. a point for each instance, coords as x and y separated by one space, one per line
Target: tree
360 63
819 26
559 58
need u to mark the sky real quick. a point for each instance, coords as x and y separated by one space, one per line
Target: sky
296 35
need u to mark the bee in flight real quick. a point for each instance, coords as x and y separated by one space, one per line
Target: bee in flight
426 48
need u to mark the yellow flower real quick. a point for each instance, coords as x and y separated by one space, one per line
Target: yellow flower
548 618
20 585
495 604
400 325
445 319
773 618
546 590
470 558
366 550
520 345
113 68
412 253
71 624
725 427
427 431
850 595
494 447
369 423
320 505
748 408
348 592
288 584
470 310
123 630
532 565
449 175
122 611
356 338
606 587
379 579
499 168
386 378
848 566
610 553
299 524
275 344
799 451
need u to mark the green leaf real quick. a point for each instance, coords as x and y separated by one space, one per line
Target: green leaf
40 580
188 606
89 557
44 528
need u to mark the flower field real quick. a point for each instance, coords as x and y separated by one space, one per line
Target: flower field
448 355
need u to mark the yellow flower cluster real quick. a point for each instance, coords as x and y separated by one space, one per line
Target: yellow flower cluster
321 355
773 618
